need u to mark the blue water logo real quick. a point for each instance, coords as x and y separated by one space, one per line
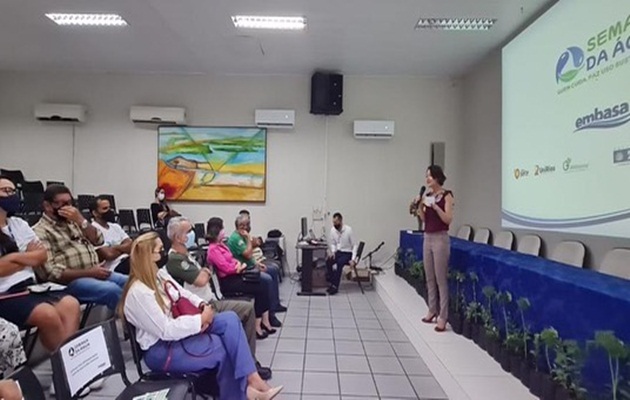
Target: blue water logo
569 64
604 118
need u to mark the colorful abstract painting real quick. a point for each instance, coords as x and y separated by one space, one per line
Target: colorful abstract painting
212 163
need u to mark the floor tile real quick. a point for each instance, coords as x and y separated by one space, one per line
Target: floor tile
294 321
320 333
317 397
385 365
346 334
320 383
414 366
268 344
394 386
264 357
321 363
288 362
427 387
373 335
293 332
347 322
316 346
291 380
357 385
319 313
368 324
349 347
396 336
319 322
378 349
405 349
290 345
355 364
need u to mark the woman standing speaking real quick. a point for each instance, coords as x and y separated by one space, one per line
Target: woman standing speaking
436 211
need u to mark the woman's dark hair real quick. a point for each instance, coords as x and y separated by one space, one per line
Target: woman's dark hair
437 174
214 227
158 190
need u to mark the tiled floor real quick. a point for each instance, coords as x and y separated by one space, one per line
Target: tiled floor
372 346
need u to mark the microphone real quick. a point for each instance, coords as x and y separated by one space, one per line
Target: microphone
422 190
416 204
378 247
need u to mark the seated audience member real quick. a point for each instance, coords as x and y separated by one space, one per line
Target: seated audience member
116 243
342 252
11 350
240 244
206 340
160 210
72 259
182 266
55 314
230 273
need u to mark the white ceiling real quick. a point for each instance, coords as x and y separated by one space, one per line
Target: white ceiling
367 37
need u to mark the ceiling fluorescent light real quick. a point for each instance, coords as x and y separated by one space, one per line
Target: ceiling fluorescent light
456 24
87 19
265 22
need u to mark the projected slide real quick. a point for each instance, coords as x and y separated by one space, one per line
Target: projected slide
566 121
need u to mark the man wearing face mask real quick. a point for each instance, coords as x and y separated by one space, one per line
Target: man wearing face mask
117 244
182 266
72 259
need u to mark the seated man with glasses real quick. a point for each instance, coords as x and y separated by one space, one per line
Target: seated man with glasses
72 259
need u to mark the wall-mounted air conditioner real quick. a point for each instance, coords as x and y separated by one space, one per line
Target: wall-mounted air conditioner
373 129
158 115
278 119
60 112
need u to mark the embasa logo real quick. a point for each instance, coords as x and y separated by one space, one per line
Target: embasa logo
569 64
605 118
520 173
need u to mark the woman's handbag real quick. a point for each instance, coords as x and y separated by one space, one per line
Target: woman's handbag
251 275
181 305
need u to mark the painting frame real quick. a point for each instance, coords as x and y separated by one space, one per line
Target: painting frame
226 164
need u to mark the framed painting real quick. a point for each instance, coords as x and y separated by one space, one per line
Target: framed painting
212 163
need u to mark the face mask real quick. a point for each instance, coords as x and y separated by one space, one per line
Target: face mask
59 217
190 240
10 204
161 196
109 216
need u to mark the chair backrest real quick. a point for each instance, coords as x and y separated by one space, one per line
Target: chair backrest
32 202
360 251
482 235
32 187
15 175
60 183
136 352
529 244
30 386
90 354
464 232
504 240
616 262
83 201
127 221
144 218
569 252
200 234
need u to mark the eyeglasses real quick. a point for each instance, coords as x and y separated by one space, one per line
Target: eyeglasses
8 190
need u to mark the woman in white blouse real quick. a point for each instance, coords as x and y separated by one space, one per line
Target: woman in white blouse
188 343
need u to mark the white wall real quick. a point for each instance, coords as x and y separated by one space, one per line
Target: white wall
480 204
370 182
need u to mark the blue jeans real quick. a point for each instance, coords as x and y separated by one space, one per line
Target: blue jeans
92 290
272 275
223 345
341 259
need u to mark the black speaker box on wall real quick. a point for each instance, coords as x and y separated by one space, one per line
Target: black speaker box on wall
326 93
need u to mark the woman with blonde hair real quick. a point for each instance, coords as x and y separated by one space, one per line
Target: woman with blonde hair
188 343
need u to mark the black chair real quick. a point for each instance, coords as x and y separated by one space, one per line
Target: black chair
32 202
194 379
32 187
127 221
14 175
85 344
144 219
354 269
84 201
30 386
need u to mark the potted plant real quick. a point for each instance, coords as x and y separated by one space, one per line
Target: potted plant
523 305
568 370
472 311
455 317
399 262
419 279
535 376
491 331
409 259
551 341
617 353
511 338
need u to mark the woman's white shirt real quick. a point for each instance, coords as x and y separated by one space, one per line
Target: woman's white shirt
152 323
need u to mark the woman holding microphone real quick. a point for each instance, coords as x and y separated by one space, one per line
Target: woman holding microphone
436 211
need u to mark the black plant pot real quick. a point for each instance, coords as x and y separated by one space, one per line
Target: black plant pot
535 382
421 288
548 388
467 329
525 368
504 359
563 393
515 365
493 348
456 321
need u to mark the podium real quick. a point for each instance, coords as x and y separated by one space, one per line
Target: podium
308 264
